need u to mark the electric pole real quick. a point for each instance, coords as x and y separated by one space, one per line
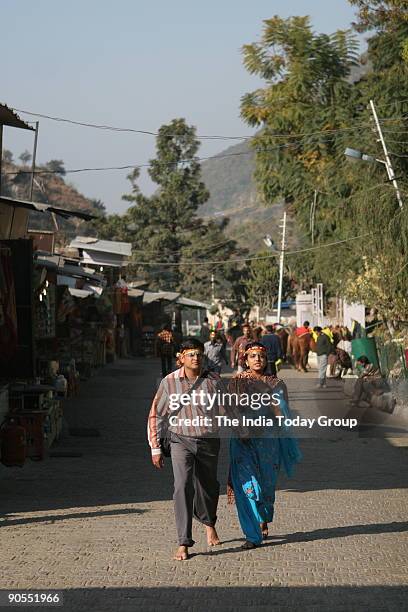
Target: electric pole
281 261
388 164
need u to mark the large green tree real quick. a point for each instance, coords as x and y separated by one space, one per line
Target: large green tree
309 111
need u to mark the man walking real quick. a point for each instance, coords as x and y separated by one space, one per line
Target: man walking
194 449
323 350
273 348
165 348
239 346
205 331
214 350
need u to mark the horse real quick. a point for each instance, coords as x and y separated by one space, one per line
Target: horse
298 349
283 334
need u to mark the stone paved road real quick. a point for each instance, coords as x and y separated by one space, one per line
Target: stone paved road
100 526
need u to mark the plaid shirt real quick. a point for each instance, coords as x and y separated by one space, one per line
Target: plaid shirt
164 343
177 383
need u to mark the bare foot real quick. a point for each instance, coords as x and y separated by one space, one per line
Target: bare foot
212 536
264 529
181 553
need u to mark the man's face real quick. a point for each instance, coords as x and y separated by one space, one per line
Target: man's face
192 359
212 336
246 331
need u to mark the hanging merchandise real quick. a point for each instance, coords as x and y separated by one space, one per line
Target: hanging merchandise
8 311
121 298
45 312
66 306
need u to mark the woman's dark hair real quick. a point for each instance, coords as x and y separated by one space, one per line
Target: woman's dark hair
191 343
166 327
248 347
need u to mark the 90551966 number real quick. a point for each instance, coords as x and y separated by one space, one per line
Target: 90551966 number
34 598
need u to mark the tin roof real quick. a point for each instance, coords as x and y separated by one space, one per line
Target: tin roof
62 212
10 118
154 296
192 303
103 246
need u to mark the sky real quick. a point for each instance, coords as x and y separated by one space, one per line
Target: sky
133 64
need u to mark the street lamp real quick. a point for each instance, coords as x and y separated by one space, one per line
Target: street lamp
269 243
355 155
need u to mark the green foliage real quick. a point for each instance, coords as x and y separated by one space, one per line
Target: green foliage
308 112
166 232
57 166
263 281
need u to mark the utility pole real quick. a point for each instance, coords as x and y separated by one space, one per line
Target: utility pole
37 123
281 261
1 151
312 214
388 164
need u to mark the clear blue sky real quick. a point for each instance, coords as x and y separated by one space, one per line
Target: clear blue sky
133 64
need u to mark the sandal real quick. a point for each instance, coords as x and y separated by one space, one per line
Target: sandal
264 529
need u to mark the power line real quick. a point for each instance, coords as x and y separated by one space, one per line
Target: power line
245 259
217 156
151 133
118 129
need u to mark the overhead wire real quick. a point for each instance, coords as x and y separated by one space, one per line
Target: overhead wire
245 259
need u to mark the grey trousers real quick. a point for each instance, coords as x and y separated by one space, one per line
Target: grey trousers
196 488
322 361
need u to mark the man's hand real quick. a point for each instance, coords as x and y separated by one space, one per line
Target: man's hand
158 461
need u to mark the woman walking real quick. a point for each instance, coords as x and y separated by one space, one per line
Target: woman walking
255 462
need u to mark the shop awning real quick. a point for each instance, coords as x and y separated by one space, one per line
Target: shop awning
38 207
192 303
57 264
10 118
155 296
135 293
80 293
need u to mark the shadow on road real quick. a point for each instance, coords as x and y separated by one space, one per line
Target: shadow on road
115 468
385 598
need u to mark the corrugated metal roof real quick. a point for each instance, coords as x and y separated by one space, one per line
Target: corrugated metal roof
57 264
10 118
193 303
154 296
37 206
103 246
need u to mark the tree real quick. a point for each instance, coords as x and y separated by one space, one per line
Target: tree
56 166
308 112
7 156
379 14
99 207
166 221
263 281
25 157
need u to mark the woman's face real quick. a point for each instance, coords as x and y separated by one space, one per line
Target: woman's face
256 361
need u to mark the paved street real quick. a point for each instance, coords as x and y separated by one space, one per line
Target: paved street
99 523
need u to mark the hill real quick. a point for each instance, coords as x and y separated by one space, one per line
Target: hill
229 178
49 188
